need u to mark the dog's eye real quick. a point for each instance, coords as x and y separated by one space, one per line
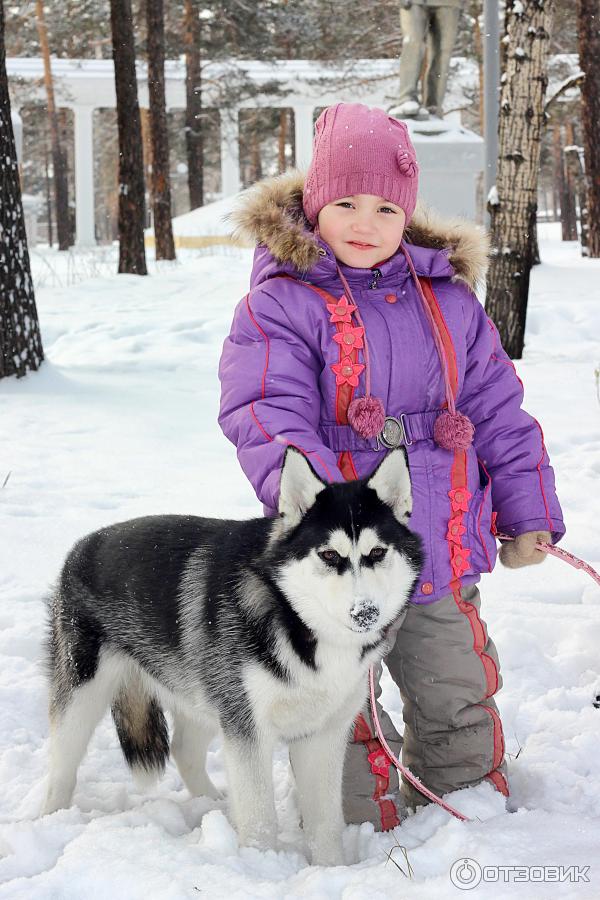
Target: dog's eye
330 556
377 553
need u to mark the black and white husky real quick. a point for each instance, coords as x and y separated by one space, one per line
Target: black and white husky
264 629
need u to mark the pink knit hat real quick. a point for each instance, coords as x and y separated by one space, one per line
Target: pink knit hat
360 150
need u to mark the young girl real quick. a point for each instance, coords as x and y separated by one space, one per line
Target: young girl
362 332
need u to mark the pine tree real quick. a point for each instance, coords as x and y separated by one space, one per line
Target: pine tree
588 15
132 257
20 341
194 138
161 183
59 161
513 216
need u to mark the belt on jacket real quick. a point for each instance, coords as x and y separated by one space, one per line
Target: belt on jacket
405 428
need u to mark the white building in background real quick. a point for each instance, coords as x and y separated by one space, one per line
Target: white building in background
31 202
451 156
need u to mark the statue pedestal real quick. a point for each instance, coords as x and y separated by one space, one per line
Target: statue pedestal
451 158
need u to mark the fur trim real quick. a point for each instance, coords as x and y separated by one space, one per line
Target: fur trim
270 213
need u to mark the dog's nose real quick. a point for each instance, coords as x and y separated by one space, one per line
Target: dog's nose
364 617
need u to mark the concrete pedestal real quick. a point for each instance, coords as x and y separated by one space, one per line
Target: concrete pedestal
451 159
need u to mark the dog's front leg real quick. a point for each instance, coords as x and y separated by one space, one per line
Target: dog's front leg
318 763
249 766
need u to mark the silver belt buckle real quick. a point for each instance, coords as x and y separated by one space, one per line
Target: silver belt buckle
392 434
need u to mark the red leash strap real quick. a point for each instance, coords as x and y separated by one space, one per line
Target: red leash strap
416 782
561 554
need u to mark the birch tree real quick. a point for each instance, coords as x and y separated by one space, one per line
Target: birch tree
20 341
514 206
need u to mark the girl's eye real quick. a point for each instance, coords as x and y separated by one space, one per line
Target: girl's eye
377 553
330 556
390 209
347 203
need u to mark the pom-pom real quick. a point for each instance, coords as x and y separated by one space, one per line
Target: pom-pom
366 416
453 431
406 164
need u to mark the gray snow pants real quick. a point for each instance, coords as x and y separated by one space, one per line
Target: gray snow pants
446 668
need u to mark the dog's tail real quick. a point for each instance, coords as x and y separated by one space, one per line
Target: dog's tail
142 729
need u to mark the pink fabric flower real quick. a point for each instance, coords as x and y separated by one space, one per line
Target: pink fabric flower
459 498
455 529
341 311
350 337
459 560
347 372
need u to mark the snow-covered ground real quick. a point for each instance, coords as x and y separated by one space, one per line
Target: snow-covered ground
121 422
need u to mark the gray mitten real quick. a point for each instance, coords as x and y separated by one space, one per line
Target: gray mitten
522 551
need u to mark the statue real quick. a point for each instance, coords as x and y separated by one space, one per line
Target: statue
433 23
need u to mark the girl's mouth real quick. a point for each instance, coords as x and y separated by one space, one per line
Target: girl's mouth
360 246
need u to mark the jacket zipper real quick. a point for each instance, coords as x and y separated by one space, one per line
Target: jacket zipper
376 277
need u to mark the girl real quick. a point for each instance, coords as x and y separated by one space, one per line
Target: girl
362 332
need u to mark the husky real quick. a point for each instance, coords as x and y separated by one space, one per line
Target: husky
262 630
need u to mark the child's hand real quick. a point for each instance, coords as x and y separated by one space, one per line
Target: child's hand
522 551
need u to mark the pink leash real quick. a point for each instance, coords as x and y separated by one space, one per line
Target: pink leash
416 782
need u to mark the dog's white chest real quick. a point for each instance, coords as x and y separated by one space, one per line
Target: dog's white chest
311 699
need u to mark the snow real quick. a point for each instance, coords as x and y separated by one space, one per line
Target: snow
121 421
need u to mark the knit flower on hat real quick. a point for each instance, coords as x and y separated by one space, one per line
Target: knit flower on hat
407 164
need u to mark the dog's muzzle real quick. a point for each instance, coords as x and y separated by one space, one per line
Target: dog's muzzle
365 618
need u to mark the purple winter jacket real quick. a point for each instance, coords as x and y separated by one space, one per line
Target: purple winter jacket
278 386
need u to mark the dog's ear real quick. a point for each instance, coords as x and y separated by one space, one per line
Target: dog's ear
391 480
299 486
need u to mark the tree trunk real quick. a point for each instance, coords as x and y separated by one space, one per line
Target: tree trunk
588 16
557 169
568 208
255 158
20 340
161 184
132 257
193 109
48 194
63 129
59 163
521 121
475 11
575 170
281 137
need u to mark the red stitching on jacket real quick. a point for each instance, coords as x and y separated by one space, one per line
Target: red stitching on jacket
509 362
458 481
444 333
343 392
485 493
254 416
266 337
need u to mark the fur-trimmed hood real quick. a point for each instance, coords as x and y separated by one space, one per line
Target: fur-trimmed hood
270 215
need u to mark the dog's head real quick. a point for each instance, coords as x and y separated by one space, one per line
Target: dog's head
342 553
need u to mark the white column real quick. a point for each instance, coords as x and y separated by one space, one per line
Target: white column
230 153
304 129
84 176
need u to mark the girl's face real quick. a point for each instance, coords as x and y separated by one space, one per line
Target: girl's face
362 230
